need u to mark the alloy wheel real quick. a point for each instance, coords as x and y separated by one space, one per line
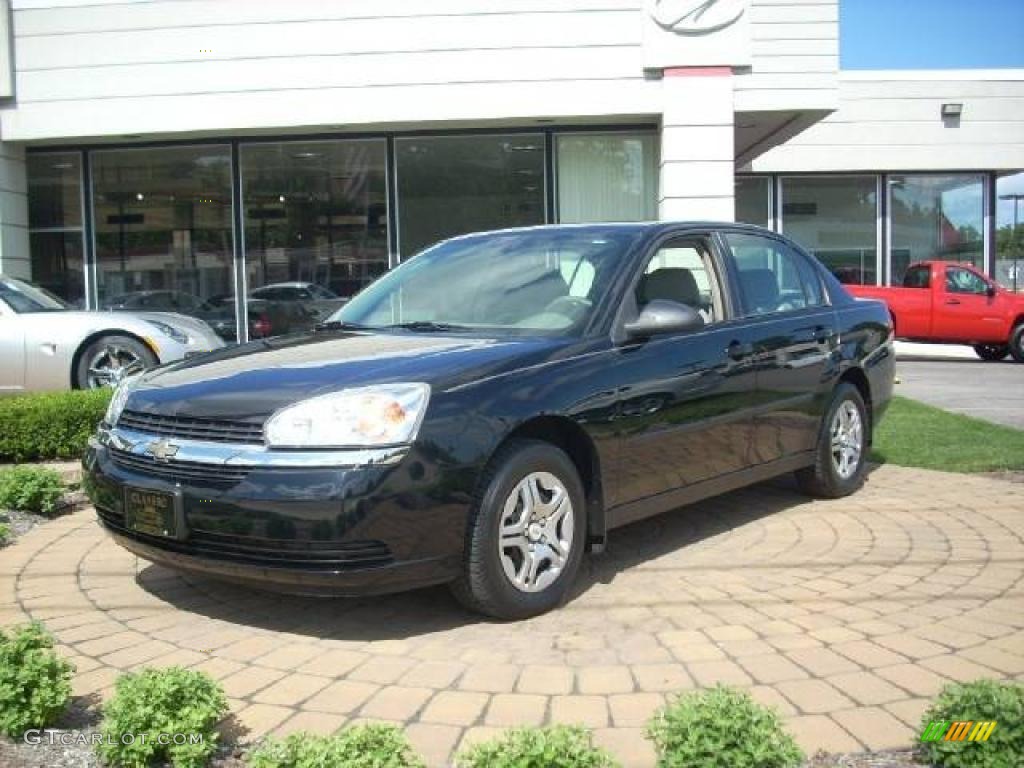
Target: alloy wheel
111 365
536 533
847 439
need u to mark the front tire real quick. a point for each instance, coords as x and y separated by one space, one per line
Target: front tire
526 533
1017 343
841 454
991 352
109 359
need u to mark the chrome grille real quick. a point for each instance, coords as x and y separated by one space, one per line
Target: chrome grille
181 471
189 428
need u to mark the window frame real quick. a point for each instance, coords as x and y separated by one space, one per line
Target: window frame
628 310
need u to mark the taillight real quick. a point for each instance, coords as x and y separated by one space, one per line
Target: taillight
261 327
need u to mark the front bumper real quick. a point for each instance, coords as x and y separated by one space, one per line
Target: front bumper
336 522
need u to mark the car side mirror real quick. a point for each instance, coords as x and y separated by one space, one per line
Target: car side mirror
990 291
663 316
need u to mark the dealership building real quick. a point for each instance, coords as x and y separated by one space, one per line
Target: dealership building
179 155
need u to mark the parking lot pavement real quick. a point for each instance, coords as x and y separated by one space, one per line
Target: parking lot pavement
846 615
992 391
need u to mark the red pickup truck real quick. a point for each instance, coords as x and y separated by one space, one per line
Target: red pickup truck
948 303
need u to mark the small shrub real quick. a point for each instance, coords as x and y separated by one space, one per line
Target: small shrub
50 425
161 704
721 728
35 683
979 700
5 533
557 746
31 489
361 746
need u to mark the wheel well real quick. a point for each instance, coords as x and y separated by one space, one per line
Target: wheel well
84 345
856 377
1017 321
571 438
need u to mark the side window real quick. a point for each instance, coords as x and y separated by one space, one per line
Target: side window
681 271
773 277
964 281
918 277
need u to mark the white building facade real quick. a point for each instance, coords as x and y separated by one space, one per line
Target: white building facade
176 154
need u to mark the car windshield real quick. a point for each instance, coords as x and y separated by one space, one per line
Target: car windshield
528 281
23 297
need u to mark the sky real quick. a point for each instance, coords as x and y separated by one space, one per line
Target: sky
931 34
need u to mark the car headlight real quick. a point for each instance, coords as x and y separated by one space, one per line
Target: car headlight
120 397
384 414
169 330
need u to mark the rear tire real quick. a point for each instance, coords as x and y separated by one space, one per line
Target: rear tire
109 359
840 460
992 352
1017 343
526 533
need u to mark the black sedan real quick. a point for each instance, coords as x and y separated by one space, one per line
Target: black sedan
492 408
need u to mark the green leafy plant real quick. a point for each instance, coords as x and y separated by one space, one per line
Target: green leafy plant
721 727
31 489
361 746
35 683
50 425
557 746
5 533
165 714
978 701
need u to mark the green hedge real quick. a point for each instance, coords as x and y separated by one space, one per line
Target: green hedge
49 425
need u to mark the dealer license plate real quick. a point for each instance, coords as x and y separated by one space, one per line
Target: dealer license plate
149 512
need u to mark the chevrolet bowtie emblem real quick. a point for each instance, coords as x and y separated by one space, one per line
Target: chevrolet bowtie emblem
162 450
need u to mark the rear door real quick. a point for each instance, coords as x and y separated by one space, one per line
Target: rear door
682 400
963 309
794 336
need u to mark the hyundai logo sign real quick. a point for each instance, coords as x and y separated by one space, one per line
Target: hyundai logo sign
697 17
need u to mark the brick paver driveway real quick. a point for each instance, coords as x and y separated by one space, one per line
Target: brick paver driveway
846 615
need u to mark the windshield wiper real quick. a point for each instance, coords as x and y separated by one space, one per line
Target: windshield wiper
428 325
340 325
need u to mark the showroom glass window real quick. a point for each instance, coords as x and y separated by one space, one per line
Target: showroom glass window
1009 257
754 200
316 228
55 224
836 219
163 230
607 177
451 185
935 216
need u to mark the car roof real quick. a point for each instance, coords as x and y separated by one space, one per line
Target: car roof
649 227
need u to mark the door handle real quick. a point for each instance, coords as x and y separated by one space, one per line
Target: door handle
739 350
952 301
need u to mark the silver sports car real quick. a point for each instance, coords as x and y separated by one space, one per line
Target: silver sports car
45 344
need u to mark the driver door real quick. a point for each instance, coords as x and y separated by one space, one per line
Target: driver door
682 413
963 309
12 350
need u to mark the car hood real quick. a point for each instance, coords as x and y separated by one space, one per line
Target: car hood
192 325
249 382
88 321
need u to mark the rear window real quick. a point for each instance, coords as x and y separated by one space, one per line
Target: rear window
917 277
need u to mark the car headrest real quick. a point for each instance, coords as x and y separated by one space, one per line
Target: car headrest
670 283
760 288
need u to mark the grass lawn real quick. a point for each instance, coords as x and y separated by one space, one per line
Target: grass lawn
913 434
